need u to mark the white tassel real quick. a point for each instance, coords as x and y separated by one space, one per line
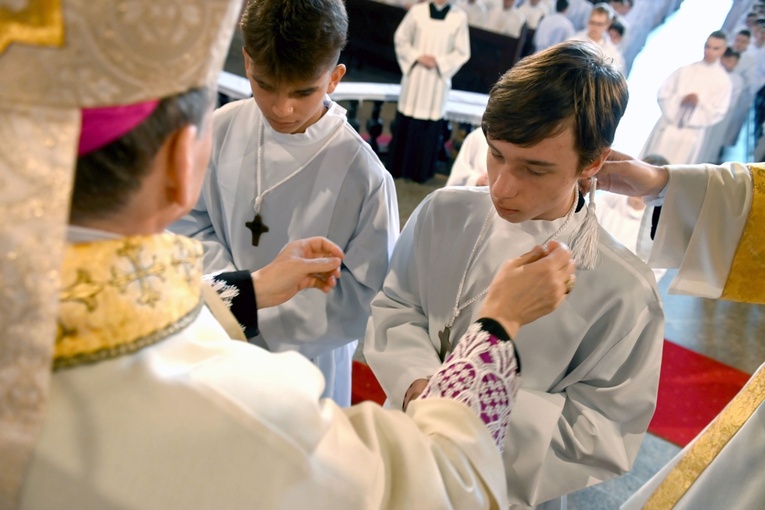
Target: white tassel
584 242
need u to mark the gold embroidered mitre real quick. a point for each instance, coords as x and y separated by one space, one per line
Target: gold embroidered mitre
56 57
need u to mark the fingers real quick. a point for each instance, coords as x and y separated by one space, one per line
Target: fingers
313 247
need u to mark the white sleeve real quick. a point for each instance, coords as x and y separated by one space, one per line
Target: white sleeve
467 167
702 220
450 63
397 345
713 107
403 40
669 99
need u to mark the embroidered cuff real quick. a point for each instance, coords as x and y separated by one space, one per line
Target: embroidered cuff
239 294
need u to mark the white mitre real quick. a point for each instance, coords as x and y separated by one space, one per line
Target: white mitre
56 57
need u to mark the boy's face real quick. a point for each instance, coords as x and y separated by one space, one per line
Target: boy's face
597 25
615 36
729 63
538 182
291 108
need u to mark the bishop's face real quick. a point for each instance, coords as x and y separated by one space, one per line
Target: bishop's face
291 108
537 182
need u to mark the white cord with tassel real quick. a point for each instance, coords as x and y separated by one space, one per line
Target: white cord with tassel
584 242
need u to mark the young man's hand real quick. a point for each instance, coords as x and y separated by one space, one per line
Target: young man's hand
306 263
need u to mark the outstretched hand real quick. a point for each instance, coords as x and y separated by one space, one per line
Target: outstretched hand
626 175
302 264
529 286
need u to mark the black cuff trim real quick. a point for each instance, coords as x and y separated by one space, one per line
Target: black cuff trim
245 305
655 221
494 328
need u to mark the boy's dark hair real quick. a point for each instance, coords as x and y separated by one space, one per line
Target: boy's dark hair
294 41
618 27
730 52
561 5
105 179
745 32
572 84
719 34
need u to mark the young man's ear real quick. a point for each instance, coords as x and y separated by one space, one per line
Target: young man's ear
335 77
181 168
596 165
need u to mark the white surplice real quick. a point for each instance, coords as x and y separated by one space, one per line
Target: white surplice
199 421
590 369
553 29
470 163
608 48
703 216
716 136
533 13
345 194
506 21
424 92
679 133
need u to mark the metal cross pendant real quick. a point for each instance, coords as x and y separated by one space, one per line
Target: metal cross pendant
257 227
446 346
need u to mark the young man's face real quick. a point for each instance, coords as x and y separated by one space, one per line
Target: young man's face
729 63
740 43
291 108
597 25
615 36
713 49
535 183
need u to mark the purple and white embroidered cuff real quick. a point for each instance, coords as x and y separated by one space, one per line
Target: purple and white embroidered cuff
483 374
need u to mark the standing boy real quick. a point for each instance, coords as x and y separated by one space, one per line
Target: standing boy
593 363
287 165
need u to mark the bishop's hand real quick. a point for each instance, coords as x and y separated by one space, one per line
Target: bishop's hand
302 264
628 176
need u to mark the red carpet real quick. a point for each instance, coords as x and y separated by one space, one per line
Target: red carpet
364 385
693 389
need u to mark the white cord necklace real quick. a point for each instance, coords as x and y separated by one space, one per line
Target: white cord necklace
256 226
444 334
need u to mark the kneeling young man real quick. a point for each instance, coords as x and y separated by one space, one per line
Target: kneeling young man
593 363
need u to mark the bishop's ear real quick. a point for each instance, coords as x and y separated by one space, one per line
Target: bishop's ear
183 183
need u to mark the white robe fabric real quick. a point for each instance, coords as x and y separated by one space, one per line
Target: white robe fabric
553 29
702 219
199 421
506 21
621 220
345 194
476 12
424 92
715 136
718 200
607 47
679 133
591 368
533 13
470 163
579 13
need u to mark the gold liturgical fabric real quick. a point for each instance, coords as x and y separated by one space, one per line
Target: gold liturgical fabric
746 280
118 296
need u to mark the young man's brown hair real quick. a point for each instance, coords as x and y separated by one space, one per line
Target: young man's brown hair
294 41
572 84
